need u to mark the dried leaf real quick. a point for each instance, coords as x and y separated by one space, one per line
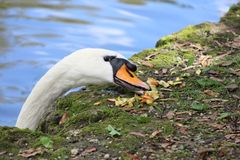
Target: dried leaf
166 145
198 71
97 103
170 115
226 64
183 130
133 156
232 87
64 118
74 152
3 152
155 133
147 99
164 70
153 82
146 63
111 100
213 72
205 60
211 93
31 152
216 126
203 152
138 134
164 84
150 96
88 150
125 101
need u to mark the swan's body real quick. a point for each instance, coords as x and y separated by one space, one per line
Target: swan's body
86 66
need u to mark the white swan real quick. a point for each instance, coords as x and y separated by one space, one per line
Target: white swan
82 67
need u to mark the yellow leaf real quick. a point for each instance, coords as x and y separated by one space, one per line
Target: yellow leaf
150 96
164 84
125 101
198 72
153 82
97 103
170 83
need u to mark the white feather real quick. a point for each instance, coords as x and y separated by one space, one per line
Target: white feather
85 66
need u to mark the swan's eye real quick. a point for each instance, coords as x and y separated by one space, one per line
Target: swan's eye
132 67
108 58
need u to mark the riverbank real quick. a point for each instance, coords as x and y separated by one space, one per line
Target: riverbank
192 111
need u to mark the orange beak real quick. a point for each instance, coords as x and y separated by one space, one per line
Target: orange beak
128 79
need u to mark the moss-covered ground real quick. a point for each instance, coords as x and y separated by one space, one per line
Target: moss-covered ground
198 118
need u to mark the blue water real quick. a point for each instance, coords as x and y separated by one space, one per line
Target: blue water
34 35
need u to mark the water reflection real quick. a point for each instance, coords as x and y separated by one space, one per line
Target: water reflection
35 34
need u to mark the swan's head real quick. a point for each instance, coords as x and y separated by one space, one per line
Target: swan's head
123 74
94 65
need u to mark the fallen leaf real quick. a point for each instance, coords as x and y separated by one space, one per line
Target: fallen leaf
179 124
170 115
133 156
155 133
97 103
164 70
211 93
184 112
216 79
150 96
203 152
46 142
232 136
199 107
64 118
125 101
138 134
111 100
151 56
232 87
153 82
74 152
213 72
167 144
88 150
3 152
164 84
205 61
31 152
146 63
183 130
215 125
112 131
226 64
198 71
235 72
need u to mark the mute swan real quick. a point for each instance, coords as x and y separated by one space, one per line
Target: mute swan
82 67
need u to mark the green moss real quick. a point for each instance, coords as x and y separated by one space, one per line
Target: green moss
168 128
232 17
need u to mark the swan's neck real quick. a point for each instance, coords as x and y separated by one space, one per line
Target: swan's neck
46 91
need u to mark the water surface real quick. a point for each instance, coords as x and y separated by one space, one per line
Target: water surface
35 34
